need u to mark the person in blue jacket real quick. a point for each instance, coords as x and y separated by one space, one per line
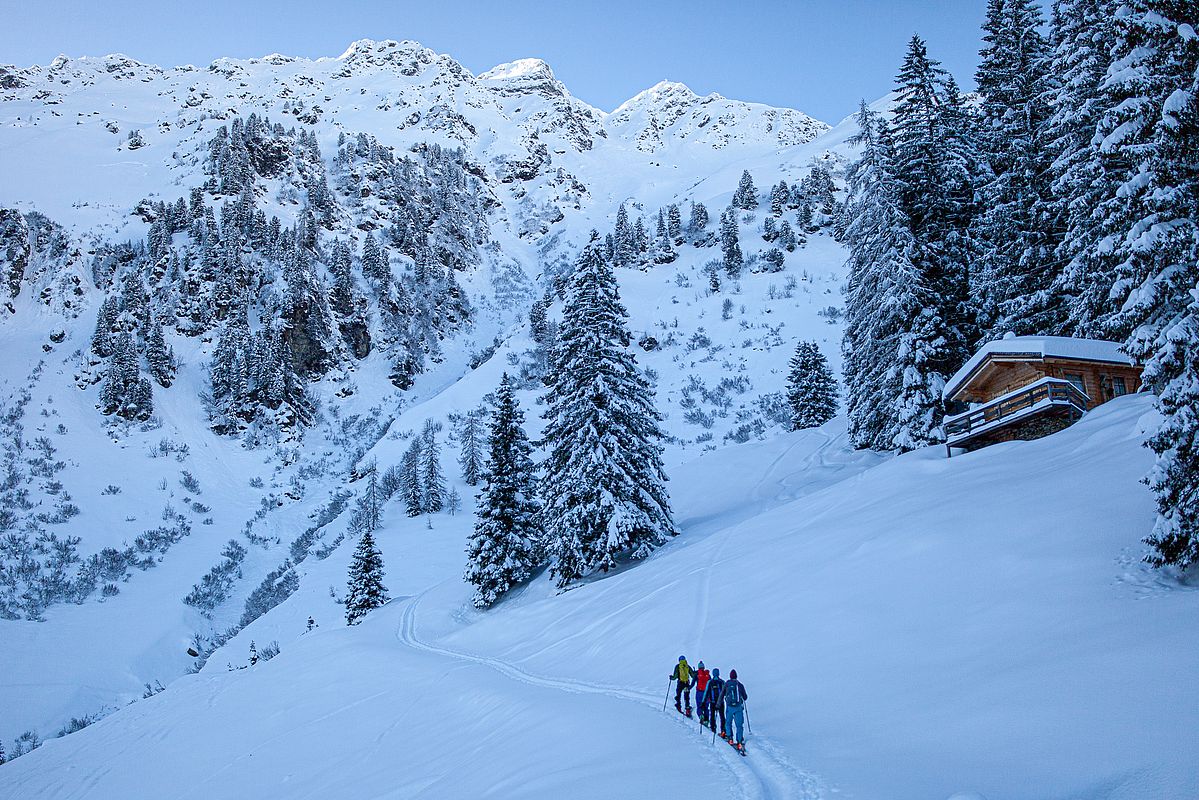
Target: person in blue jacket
716 702
734 703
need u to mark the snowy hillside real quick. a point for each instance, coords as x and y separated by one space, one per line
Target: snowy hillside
991 647
97 151
239 299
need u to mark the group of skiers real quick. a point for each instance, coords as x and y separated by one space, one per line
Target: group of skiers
714 696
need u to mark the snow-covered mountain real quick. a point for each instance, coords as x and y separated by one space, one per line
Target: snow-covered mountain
109 169
72 118
670 112
341 252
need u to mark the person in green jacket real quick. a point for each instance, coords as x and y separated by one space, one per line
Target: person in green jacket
682 690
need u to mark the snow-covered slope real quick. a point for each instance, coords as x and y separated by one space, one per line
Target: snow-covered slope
550 167
909 629
905 627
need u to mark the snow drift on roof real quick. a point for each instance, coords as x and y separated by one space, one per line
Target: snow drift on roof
1040 347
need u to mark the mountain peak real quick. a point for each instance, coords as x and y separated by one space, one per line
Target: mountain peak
369 48
664 93
407 57
671 110
666 88
524 76
521 68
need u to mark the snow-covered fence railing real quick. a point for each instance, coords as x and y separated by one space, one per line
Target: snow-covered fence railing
1016 404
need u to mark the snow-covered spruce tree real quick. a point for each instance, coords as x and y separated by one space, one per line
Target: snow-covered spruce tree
933 173
1151 123
811 388
663 248
349 306
885 305
1155 129
1079 181
374 262
1175 477
604 484
365 584
308 333
160 357
539 320
344 291
506 545
410 478
1112 185
730 244
786 237
769 232
370 503
125 392
697 224
1016 243
640 239
106 326
746 195
818 193
432 476
674 223
780 193
624 243
471 443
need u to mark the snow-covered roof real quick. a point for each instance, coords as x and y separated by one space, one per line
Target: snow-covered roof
1038 347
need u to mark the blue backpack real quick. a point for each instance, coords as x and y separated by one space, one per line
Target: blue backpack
734 694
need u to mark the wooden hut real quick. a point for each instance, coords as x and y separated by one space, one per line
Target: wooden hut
1026 387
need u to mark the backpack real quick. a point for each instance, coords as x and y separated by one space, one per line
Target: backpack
733 694
716 689
683 671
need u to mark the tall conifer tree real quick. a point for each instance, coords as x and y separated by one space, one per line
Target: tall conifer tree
507 541
365 583
604 484
1017 244
885 304
811 388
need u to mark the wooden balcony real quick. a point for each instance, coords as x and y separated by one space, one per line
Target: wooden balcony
989 422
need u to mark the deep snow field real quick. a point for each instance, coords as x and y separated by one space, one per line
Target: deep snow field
909 628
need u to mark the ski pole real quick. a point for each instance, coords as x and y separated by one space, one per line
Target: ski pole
667 700
747 725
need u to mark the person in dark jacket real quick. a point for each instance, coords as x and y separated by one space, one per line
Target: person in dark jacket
734 703
716 702
682 674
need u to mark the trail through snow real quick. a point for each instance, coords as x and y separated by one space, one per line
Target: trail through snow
765 774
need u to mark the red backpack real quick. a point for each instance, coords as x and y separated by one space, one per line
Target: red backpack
701 678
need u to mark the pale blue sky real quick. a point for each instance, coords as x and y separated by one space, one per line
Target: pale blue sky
820 56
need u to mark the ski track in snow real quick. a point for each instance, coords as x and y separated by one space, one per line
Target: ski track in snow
765 774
